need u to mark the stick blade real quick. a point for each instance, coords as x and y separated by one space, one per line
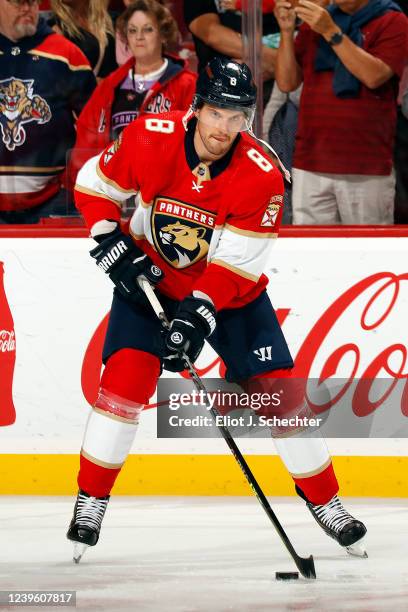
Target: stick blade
306 567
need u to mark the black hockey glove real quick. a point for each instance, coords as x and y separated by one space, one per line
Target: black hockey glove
193 323
119 257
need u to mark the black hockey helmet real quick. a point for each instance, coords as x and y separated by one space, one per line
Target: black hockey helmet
225 83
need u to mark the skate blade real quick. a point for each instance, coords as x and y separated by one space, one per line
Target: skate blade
357 549
79 550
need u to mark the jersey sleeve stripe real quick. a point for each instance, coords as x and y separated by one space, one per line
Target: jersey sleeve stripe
95 194
136 236
238 271
251 234
244 253
88 178
113 184
35 169
60 58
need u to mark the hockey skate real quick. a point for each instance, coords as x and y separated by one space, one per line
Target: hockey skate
86 522
340 525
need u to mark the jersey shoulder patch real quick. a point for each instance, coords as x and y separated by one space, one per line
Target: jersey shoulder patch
272 211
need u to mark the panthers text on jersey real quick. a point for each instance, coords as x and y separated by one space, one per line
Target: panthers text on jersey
209 227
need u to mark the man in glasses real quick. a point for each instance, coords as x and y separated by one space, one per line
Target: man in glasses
20 19
211 207
45 81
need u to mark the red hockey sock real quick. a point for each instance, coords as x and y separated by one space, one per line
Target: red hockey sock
319 488
95 479
131 374
128 382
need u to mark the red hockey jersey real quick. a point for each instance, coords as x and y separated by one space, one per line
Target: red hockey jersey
209 228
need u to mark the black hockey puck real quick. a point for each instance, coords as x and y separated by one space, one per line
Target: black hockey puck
286 575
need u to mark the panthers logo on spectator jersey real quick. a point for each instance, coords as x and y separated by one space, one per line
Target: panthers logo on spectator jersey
181 232
19 106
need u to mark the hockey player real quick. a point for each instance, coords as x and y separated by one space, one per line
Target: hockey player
211 205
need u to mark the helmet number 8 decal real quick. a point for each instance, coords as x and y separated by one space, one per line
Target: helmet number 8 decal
233 81
260 160
160 125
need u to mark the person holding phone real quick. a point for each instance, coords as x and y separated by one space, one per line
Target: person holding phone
349 57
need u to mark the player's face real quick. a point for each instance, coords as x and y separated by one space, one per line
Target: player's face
144 38
18 19
217 128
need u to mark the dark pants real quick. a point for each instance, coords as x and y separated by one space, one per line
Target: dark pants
249 339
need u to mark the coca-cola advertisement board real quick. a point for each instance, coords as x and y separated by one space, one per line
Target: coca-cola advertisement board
7 356
341 303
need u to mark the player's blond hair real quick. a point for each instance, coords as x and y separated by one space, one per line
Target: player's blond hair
98 18
157 8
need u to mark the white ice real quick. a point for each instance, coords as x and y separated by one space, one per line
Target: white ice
168 554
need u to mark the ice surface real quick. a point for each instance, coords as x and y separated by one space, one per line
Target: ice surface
207 554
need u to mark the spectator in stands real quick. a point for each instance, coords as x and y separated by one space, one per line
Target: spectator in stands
87 23
44 80
401 143
123 52
152 81
401 153
217 31
349 57
279 128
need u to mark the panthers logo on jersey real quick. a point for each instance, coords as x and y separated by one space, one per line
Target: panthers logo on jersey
18 106
181 232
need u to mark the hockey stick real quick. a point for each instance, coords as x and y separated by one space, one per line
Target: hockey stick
304 565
